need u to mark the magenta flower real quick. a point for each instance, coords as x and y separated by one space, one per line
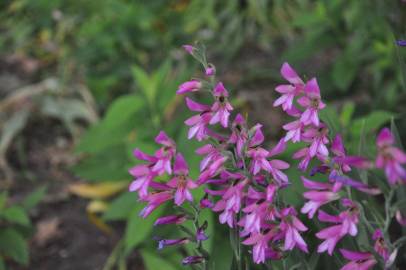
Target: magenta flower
165 154
343 161
288 91
312 102
198 123
212 153
320 195
347 224
189 86
291 227
154 201
188 48
380 245
239 135
358 260
390 158
260 241
401 43
257 154
181 182
230 203
260 211
294 131
192 260
221 108
171 242
317 137
400 218
304 155
210 70
143 178
172 219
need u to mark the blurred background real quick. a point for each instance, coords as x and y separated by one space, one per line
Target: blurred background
82 83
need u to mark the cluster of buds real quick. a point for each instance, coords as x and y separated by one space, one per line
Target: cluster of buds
242 177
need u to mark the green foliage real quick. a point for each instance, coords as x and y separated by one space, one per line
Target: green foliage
14 222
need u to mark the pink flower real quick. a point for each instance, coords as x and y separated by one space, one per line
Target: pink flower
221 108
380 245
189 86
358 260
154 201
261 250
172 219
230 203
181 182
198 123
390 158
212 153
188 48
260 211
347 224
312 102
294 131
400 218
172 242
291 227
320 195
343 161
210 70
317 137
305 157
288 91
239 135
143 178
165 154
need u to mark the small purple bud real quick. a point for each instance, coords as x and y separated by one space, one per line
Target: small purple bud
210 70
171 242
401 43
206 203
188 48
192 260
200 235
173 219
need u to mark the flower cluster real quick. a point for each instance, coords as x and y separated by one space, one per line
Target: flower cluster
242 177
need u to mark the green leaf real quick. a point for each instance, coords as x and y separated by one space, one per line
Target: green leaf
146 85
347 113
153 261
2 264
34 198
16 214
11 128
344 71
121 207
13 244
372 122
3 200
115 126
139 229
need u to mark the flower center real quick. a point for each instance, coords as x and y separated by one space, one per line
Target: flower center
314 102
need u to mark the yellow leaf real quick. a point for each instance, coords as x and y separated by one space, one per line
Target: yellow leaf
97 191
97 206
96 220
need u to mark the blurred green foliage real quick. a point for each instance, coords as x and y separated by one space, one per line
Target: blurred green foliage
127 53
16 227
